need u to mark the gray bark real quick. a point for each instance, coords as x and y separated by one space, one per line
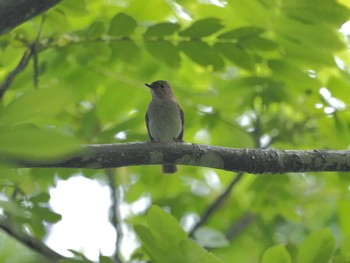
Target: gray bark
254 161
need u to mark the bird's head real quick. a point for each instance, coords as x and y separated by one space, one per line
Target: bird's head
160 89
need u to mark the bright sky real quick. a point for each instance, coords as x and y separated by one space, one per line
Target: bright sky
83 204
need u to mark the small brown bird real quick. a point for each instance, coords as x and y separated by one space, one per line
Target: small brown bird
164 117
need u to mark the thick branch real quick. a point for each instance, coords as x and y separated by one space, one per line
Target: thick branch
15 12
98 156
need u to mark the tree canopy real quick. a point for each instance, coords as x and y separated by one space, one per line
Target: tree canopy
271 74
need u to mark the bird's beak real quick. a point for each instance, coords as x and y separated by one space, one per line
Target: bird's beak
149 85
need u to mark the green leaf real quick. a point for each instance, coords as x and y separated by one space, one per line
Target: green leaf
209 237
127 51
74 8
202 28
258 43
344 216
276 254
45 102
40 198
104 259
46 214
161 30
203 54
165 241
164 51
96 29
242 32
193 253
32 144
318 247
122 25
235 54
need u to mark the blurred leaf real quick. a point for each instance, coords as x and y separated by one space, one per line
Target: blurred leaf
242 33
196 254
74 8
46 102
32 144
318 247
40 198
210 238
161 30
122 25
126 50
236 54
201 53
96 29
202 28
276 254
164 51
46 214
165 241
344 216
258 43
104 259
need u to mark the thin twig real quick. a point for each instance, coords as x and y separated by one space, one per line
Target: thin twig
32 243
34 48
240 225
114 213
19 68
216 204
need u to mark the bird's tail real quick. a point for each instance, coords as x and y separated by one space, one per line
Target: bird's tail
169 168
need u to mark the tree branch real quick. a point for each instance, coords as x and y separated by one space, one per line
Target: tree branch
14 13
114 212
255 161
32 243
215 205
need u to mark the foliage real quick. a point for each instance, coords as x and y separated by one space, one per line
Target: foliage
269 73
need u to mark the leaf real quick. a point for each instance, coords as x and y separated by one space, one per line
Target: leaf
127 51
34 104
165 241
201 53
74 8
193 253
276 254
104 259
96 29
164 51
258 43
46 214
202 28
235 54
209 237
161 30
122 25
344 216
40 198
29 143
318 247
242 32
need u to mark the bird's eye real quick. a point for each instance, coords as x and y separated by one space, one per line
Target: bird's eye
162 85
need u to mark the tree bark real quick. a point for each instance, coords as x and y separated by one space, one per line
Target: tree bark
255 161
15 12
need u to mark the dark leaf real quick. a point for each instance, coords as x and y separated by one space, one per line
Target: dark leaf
161 29
202 28
203 54
122 25
164 51
242 32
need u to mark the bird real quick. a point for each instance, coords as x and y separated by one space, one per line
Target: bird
164 118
